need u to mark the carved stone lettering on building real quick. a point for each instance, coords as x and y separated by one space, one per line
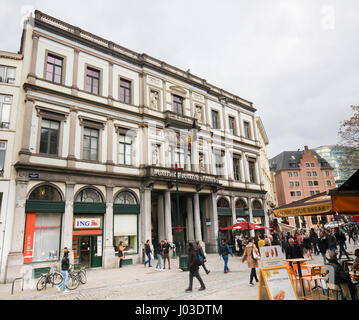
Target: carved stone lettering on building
154 81
186 176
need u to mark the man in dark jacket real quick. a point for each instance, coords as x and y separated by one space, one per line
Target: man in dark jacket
332 241
323 246
342 278
193 267
65 265
340 236
203 257
293 251
166 254
314 240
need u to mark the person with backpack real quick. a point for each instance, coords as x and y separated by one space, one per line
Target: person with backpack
65 265
193 266
202 257
224 251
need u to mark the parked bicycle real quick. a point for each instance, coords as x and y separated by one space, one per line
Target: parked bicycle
53 277
76 277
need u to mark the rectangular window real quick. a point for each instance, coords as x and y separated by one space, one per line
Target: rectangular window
295 174
247 132
292 194
327 173
297 183
125 91
251 165
179 157
5 110
310 183
312 193
329 183
54 66
314 173
299 193
49 139
219 164
236 169
315 183
312 164
90 144
289 174
231 122
307 164
7 74
177 104
92 80
317 191
125 149
125 229
215 124
309 174
291 184
2 157
42 237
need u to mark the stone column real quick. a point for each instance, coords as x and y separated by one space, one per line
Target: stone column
213 232
110 84
250 214
25 153
168 217
15 257
108 254
197 217
75 69
190 229
234 215
203 210
68 217
71 158
161 217
146 215
35 43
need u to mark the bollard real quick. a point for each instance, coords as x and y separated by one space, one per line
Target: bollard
13 282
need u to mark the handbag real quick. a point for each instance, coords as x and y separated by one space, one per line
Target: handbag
120 254
255 254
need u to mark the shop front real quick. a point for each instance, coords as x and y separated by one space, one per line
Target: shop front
87 235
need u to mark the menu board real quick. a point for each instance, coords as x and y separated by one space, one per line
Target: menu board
271 256
275 284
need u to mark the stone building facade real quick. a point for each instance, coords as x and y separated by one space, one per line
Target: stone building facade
103 130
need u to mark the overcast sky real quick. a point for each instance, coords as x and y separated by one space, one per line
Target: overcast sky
296 60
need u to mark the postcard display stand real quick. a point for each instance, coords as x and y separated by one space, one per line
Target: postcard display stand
275 282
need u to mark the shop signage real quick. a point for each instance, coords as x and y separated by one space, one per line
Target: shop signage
87 223
187 176
275 283
33 175
29 237
271 256
99 246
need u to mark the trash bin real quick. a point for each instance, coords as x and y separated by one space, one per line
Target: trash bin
183 262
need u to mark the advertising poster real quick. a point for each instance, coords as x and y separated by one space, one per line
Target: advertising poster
271 256
275 284
99 246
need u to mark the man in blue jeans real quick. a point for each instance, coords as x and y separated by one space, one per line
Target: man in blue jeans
65 264
224 250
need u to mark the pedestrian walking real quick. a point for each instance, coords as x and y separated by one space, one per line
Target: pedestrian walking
307 247
202 257
193 266
252 263
121 253
314 241
240 245
332 241
261 242
166 254
340 236
148 253
65 265
323 245
159 256
224 251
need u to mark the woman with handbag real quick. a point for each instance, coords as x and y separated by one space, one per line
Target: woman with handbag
121 252
252 256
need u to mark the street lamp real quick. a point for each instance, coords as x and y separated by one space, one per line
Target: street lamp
246 214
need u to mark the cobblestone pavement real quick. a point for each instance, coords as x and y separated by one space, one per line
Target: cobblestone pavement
135 282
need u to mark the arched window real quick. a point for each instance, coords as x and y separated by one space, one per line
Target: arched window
125 197
89 195
256 205
45 192
222 203
240 204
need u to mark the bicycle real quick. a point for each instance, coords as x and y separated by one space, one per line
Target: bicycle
76 277
54 278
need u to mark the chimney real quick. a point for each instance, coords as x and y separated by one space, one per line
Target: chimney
306 148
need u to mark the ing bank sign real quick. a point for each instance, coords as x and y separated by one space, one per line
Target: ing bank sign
87 223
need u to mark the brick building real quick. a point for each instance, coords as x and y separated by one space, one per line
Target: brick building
298 175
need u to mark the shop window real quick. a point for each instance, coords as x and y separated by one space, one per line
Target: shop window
89 195
125 229
256 205
42 237
222 203
240 204
45 192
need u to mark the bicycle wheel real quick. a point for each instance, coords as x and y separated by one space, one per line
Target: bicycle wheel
82 277
57 278
72 282
41 283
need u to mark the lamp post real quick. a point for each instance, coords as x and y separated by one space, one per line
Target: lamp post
246 213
